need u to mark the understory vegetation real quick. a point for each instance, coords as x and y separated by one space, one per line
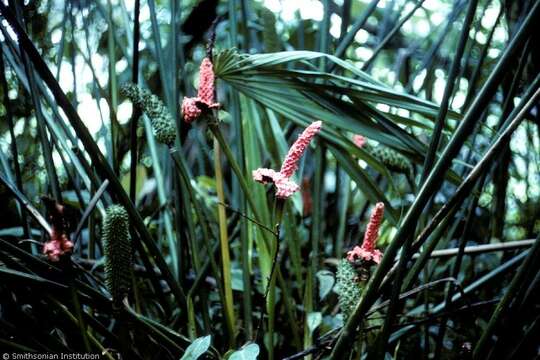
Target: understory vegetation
250 179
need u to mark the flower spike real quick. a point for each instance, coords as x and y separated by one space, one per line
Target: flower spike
192 107
207 83
281 180
160 118
368 251
59 244
190 110
290 164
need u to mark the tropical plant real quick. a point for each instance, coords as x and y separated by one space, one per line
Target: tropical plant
193 179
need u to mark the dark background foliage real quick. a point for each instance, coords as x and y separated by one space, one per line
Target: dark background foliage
452 86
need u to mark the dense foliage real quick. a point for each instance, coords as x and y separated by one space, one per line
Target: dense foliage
251 179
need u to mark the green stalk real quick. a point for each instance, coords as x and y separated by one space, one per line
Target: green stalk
136 110
457 267
78 313
158 51
113 91
245 239
224 244
324 32
270 294
449 88
316 239
477 284
348 38
42 131
60 52
343 207
434 180
98 160
432 242
244 186
76 321
162 194
182 169
471 91
308 307
390 35
182 188
502 307
13 145
238 172
437 132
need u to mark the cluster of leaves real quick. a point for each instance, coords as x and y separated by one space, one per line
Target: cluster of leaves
446 98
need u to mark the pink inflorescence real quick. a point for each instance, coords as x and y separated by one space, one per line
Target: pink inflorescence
58 245
192 107
290 164
190 110
206 83
367 251
359 140
284 186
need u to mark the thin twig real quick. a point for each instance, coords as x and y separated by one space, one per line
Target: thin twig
228 207
89 209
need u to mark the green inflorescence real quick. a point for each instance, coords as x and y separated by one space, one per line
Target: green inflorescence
348 287
393 160
161 119
270 37
117 247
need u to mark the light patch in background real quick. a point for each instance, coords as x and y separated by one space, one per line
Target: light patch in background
335 26
363 53
89 112
435 5
481 37
438 89
121 65
56 36
403 112
383 107
500 34
422 27
308 9
437 18
459 100
57 160
18 129
419 80
123 113
361 36
493 53
66 78
492 120
10 31
391 77
490 16
519 144
519 189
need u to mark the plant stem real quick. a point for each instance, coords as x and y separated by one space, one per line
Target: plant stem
136 110
270 292
480 349
224 244
434 179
